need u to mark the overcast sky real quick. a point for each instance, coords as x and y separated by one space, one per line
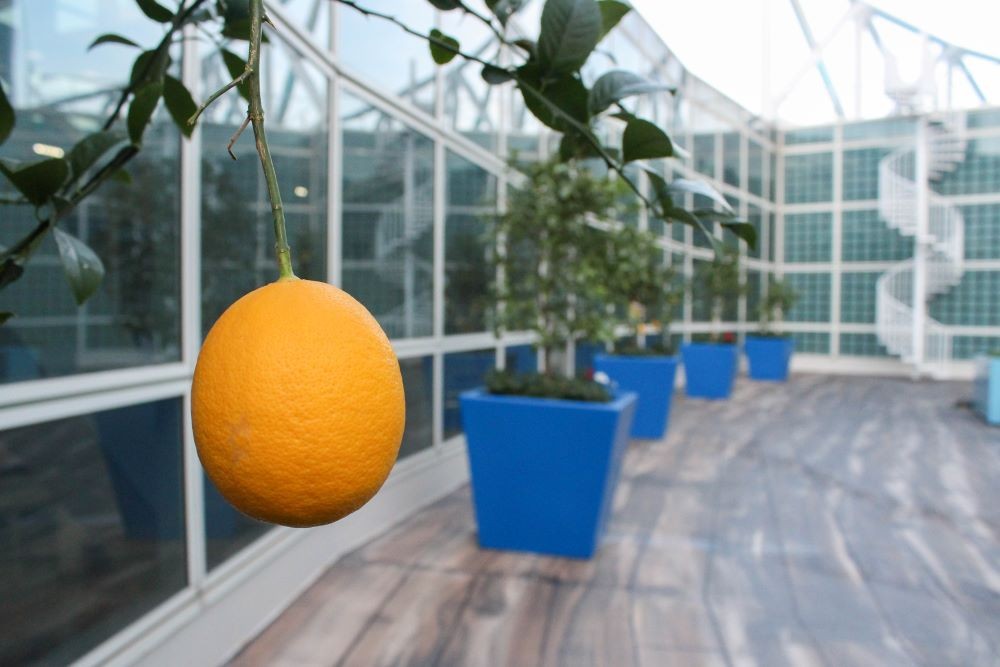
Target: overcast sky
721 41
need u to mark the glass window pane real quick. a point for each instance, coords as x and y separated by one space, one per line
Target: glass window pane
388 218
381 53
63 92
471 106
237 228
227 530
463 371
418 380
521 359
91 528
471 205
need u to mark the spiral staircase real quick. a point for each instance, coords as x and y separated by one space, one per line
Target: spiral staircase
941 244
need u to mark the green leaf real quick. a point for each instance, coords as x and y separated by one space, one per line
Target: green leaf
443 47
564 96
574 145
89 150
643 140
4 316
38 181
495 75
612 11
83 268
112 38
179 103
688 218
155 11
445 5
660 188
570 31
235 65
618 84
701 188
140 112
7 117
504 9
149 66
743 230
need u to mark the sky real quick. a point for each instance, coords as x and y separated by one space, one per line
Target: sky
721 41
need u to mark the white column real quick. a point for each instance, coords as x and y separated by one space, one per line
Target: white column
920 247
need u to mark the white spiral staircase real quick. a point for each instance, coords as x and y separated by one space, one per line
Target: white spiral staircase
940 247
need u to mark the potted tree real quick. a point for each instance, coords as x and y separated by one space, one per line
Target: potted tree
646 292
545 449
769 353
710 365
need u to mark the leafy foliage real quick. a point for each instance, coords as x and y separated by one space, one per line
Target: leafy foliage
546 73
553 262
720 279
543 385
780 297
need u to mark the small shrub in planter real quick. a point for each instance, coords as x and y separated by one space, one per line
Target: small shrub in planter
647 292
769 353
711 363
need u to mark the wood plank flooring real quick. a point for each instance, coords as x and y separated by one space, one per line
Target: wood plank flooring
831 521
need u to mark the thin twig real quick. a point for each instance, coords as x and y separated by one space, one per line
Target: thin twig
236 136
247 71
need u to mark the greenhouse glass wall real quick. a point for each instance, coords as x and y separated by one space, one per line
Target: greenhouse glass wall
391 169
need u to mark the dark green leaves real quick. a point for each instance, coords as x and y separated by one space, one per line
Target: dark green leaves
149 66
38 181
111 38
89 150
701 188
155 11
443 48
7 118
445 5
4 316
644 140
556 104
504 9
235 65
495 75
612 11
179 104
743 230
616 85
570 31
141 110
83 268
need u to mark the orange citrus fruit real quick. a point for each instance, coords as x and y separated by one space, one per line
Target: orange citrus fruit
297 404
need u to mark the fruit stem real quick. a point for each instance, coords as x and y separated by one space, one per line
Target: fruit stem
256 115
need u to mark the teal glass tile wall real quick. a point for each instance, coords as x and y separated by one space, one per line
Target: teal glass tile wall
813 302
979 173
857 296
982 231
861 345
973 302
808 237
812 342
808 178
866 238
860 172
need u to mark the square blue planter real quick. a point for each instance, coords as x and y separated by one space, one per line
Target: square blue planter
769 357
709 369
544 471
986 388
652 378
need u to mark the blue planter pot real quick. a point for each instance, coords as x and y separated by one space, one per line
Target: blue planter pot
544 471
769 357
986 388
709 369
652 379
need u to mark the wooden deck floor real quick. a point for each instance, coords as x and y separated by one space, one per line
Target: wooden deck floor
830 521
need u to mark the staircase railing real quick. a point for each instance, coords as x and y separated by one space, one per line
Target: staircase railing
944 240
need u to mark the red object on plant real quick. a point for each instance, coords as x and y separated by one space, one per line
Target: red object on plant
729 337
589 374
